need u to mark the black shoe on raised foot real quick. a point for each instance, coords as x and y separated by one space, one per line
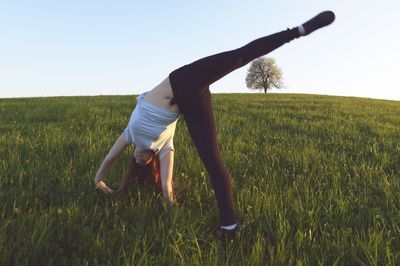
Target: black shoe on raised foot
321 20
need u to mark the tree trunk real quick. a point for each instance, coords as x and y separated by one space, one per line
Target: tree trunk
265 90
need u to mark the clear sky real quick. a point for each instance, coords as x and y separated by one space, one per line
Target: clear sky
60 47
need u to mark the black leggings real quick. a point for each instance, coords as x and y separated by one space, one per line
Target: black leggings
190 85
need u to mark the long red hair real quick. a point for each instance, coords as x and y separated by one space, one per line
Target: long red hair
148 174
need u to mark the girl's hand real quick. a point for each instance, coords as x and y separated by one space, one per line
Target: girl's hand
168 197
102 186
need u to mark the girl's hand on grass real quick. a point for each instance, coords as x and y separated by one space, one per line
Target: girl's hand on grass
169 200
102 186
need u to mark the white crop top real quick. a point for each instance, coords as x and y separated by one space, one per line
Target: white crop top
151 127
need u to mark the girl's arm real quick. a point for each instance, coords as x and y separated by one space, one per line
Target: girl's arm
166 172
119 145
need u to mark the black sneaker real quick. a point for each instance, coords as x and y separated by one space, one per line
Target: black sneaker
321 20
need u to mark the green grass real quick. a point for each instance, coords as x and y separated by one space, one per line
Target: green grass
315 178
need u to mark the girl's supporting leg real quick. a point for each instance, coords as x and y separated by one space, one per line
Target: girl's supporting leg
202 129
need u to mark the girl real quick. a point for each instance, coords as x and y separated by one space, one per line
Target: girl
186 91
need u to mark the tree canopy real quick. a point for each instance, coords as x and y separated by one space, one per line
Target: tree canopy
264 74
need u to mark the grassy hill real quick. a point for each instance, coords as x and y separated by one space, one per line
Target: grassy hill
315 179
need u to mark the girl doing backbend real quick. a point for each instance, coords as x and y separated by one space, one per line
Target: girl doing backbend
186 92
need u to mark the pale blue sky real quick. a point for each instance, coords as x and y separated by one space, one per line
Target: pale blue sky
50 48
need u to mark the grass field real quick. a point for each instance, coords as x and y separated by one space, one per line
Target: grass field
316 180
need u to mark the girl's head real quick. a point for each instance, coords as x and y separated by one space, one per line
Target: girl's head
144 167
142 156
